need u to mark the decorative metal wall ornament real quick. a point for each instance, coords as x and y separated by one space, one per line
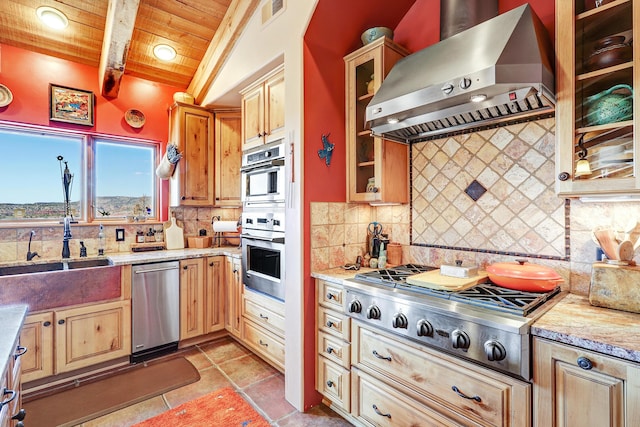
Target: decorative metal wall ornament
327 151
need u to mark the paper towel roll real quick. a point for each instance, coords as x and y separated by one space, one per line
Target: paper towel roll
225 226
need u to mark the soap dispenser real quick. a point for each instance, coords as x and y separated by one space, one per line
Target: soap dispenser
101 242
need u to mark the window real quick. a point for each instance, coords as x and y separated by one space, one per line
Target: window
121 170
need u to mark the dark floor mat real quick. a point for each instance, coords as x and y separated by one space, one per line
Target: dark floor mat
96 398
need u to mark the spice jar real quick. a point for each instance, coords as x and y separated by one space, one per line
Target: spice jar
139 237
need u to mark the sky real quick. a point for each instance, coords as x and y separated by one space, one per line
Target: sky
31 172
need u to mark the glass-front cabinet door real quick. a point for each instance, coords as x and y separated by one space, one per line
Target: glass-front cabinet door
370 159
597 148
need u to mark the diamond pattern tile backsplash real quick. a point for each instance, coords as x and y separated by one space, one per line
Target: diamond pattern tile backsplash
518 213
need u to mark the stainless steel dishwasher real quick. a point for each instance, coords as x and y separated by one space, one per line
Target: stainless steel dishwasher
155 300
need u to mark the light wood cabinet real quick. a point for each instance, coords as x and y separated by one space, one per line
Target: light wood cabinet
595 77
263 110
263 327
191 128
228 158
88 335
576 387
201 296
11 389
192 302
72 338
457 390
377 169
234 290
333 334
37 336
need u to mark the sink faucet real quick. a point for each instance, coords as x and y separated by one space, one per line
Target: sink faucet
31 255
66 237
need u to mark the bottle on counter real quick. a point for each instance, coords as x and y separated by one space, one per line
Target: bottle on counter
101 241
382 259
139 237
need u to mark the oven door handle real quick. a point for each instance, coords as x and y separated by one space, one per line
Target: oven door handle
264 239
263 165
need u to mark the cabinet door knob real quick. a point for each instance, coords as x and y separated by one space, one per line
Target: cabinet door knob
211 264
329 383
184 267
330 350
330 295
563 176
584 363
61 322
47 323
183 198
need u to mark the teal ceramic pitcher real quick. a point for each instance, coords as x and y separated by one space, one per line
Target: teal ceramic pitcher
609 107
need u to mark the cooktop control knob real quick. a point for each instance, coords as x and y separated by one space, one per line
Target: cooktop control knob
355 306
447 89
460 339
373 312
424 328
399 321
465 83
494 351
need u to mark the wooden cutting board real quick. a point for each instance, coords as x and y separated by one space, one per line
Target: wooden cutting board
434 280
174 236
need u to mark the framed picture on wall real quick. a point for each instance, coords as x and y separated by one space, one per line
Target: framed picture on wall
71 105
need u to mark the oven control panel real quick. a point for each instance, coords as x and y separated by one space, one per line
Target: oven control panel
470 333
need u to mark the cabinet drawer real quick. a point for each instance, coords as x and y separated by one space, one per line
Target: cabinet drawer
330 294
490 396
334 323
334 349
263 314
334 382
377 404
264 343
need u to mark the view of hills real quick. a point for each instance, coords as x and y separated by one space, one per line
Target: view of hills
113 206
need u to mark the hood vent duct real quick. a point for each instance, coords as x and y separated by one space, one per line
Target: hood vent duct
496 72
459 15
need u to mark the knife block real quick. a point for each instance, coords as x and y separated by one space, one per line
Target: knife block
615 286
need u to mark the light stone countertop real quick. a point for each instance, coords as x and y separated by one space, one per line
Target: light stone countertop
575 321
11 319
170 255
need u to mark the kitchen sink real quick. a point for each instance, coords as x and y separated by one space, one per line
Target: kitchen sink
52 266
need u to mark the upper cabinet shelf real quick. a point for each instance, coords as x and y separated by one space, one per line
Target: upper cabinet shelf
596 79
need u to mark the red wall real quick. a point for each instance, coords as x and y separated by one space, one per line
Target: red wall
28 74
333 32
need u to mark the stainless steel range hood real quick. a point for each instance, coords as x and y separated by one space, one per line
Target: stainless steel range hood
507 59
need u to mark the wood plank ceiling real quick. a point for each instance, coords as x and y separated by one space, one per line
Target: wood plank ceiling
188 26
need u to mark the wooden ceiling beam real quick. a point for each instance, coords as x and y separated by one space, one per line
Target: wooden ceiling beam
230 28
121 18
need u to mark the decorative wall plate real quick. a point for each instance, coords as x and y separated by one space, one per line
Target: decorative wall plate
5 96
135 118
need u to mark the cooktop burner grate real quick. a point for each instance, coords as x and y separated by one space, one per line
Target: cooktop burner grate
486 295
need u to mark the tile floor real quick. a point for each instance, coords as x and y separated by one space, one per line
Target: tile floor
225 363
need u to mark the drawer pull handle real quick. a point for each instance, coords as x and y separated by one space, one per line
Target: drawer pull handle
461 394
4 393
330 296
375 408
20 350
330 324
584 363
264 343
330 350
329 383
20 415
262 316
379 356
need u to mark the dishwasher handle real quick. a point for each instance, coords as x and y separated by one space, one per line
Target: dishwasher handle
154 269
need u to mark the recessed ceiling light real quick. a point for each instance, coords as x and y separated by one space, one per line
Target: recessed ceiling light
164 52
52 17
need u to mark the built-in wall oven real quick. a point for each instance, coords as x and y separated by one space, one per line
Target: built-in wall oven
263 250
263 174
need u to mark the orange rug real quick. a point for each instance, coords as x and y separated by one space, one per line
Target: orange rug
222 408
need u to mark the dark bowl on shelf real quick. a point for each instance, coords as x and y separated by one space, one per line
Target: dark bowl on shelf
609 51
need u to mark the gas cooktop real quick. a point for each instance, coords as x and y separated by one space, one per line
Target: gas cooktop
486 295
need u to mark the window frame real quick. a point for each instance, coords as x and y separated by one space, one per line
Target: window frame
86 176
